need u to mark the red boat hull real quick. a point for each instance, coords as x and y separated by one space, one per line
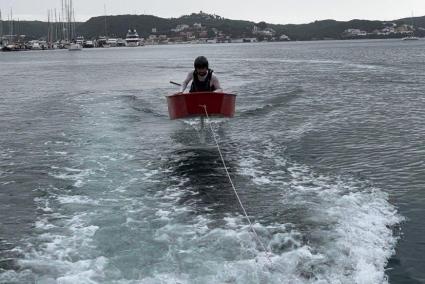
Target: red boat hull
191 104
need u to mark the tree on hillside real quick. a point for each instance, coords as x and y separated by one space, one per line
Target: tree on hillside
262 25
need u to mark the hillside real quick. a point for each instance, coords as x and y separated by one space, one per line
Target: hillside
118 25
325 29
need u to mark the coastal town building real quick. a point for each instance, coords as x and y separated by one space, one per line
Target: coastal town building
266 32
180 28
355 33
284 38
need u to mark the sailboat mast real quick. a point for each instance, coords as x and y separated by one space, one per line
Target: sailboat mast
73 19
1 29
62 20
11 22
48 27
52 26
71 35
67 20
73 22
56 27
413 25
106 31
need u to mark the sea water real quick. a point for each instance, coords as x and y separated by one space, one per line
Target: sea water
326 150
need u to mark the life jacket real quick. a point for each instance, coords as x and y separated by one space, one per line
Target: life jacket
202 86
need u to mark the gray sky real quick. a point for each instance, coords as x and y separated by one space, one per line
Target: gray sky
272 11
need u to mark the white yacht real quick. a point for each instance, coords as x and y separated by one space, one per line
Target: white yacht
80 40
102 41
112 42
121 42
132 39
88 44
35 45
75 47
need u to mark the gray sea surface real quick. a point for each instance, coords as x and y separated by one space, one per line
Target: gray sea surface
327 149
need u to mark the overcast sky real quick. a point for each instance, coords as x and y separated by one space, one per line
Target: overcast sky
272 11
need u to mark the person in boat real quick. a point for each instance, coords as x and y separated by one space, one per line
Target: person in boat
203 79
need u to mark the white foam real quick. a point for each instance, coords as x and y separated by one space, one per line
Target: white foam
248 167
66 253
77 175
77 199
349 238
162 213
8 182
354 221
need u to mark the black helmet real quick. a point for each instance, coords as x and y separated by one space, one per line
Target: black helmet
201 62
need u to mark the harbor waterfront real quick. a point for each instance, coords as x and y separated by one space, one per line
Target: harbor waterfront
196 28
98 185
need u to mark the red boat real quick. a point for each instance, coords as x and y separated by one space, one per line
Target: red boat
192 104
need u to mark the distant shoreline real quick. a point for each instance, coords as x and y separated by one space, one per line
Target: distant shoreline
215 44
199 26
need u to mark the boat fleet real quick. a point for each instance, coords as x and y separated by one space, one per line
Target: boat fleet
132 39
62 34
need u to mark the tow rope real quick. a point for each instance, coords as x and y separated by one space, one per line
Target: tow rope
254 232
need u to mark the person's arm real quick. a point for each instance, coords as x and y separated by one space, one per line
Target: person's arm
186 82
216 83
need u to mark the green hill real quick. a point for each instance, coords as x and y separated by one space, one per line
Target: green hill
118 25
325 29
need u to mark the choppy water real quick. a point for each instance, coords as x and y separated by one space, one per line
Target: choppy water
326 149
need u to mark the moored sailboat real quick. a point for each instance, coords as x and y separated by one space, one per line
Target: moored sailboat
412 35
